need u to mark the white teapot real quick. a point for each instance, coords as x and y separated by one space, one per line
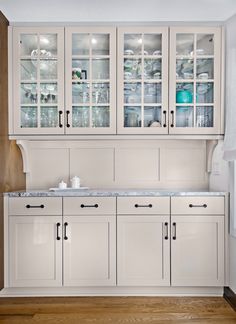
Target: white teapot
75 182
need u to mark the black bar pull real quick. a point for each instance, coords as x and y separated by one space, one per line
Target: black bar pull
174 231
67 118
89 206
58 237
65 236
172 119
201 206
60 114
164 113
30 206
166 229
148 206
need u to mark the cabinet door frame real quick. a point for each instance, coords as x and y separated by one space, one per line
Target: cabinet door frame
218 72
121 31
16 81
122 278
110 220
12 253
68 79
177 279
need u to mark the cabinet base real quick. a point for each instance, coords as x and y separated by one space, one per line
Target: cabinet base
112 291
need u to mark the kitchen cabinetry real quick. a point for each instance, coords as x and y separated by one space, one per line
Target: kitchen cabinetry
143 241
35 244
195 80
89 241
161 89
197 245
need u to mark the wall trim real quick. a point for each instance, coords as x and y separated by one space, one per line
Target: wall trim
230 297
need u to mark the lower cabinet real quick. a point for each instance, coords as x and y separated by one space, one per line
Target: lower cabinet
89 250
35 255
143 250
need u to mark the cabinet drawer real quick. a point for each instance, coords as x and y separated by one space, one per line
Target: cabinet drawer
35 206
198 205
143 205
89 205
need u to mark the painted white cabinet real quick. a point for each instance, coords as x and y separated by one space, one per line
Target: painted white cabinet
89 251
35 251
143 250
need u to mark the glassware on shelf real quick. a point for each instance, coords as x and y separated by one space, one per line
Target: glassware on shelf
132 69
132 92
80 93
184 116
29 117
101 93
100 116
184 69
152 93
204 116
100 69
29 93
48 93
48 117
205 92
205 68
132 116
80 116
152 69
152 116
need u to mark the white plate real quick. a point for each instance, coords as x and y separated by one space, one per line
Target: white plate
68 189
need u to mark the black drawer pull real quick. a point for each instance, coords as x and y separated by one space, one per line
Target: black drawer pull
174 231
58 237
148 206
166 229
67 118
30 206
89 206
201 206
65 236
60 114
172 119
164 113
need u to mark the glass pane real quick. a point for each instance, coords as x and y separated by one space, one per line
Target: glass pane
132 92
29 93
152 93
184 44
205 69
100 117
152 116
204 92
48 69
184 69
29 43
80 44
204 116
80 93
205 44
80 69
152 44
28 117
132 116
184 93
80 116
132 44
152 69
28 70
100 44
184 116
100 69
101 93
132 69
48 93
48 44
48 117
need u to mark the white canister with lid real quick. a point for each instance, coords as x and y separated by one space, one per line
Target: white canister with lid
75 182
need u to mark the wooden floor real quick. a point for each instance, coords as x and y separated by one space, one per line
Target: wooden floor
112 310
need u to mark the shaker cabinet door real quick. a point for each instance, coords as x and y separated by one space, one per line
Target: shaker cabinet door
89 251
35 251
38 80
195 80
143 250
197 251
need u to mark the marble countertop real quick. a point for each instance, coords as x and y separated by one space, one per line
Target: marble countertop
111 193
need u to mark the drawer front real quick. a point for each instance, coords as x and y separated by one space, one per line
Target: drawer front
35 206
143 205
197 205
89 205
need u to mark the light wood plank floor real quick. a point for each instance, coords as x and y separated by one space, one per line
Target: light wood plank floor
112 310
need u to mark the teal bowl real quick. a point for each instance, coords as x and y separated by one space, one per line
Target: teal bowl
184 96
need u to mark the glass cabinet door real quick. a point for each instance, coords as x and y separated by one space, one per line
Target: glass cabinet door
38 80
195 81
90 80
142 80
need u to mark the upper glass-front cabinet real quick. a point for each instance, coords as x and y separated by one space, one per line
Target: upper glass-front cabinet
38 80
142 105
90 80
195 68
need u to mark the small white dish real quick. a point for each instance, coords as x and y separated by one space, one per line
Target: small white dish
129 52
203 76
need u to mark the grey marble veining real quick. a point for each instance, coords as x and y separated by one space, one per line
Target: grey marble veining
111 193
